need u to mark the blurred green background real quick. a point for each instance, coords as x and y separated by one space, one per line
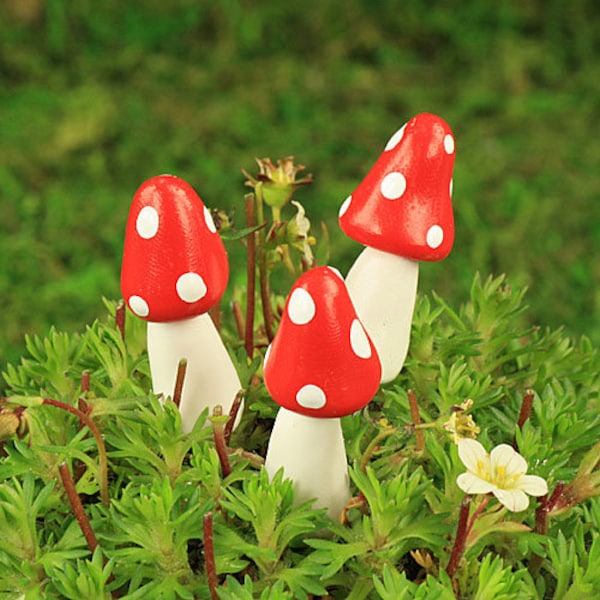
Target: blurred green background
96 97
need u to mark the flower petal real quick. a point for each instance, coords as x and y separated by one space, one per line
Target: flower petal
472 454
533 485
506 456
514 500
471 484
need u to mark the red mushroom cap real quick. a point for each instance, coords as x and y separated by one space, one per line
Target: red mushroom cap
404 204
174 262
321 363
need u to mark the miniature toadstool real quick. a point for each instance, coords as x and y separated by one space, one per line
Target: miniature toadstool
320 366
402 212
174 270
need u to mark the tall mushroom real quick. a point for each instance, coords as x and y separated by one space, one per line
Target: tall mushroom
174 270
402 212
320 366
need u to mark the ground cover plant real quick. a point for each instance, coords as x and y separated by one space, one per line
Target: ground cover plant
102 496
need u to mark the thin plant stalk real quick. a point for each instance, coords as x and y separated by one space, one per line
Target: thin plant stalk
209 555
215 315
233 411
218 427
120 315
83 406
238 317
85 382
77 507
85 388
102 459
526 406
476 513
263 273
251 276
546 503
524 413
179 380
461 536
416 419
370 449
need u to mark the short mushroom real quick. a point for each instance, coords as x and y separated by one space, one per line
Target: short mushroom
174 270
402 212
320 366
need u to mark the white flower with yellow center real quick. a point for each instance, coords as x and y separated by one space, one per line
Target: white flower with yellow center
502 472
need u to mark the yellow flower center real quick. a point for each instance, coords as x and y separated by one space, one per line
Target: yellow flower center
483 471
504 481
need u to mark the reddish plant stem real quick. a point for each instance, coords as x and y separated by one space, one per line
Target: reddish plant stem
541 527
120 314
238 317
83 406
85 382
526 406
558 495
416 419
263 273
251 277
179 379
77 507
476 513
541 516
461 536
215 315
81 401
524 413
102 459
233 411
209 555
265 294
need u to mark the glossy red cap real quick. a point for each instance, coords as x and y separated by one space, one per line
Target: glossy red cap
321 363
174 262
404 204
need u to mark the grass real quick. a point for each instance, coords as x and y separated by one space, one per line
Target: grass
95 99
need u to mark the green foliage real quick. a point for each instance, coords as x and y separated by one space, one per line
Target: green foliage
96 98
84 578
399 530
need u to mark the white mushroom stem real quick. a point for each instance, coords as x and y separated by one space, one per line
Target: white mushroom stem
312 454
383 289
210 378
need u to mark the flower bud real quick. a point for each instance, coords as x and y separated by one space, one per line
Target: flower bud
9 425
277 183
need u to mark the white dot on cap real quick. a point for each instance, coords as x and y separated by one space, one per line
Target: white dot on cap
448 144
344 207
191 287
301 307
435 236
395 139
359 340
393 186
209 221
311 396
139 306
147 222
451 186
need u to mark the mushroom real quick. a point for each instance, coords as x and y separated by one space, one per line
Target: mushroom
174 270
320 366
402 213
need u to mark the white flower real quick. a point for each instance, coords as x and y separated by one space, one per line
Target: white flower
502 473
